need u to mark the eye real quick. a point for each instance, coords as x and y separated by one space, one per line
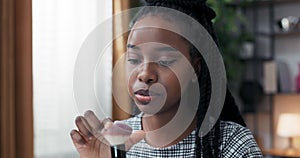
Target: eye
166 63
133 61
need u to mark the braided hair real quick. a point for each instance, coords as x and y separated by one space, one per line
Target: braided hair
206 145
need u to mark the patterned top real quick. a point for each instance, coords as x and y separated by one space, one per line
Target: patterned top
237 142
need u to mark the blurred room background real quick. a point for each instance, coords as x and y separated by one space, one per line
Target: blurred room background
40 40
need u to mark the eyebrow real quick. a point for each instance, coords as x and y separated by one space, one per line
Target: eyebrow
132 46
160 49
168 49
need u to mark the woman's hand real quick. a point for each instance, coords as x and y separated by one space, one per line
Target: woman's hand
89 141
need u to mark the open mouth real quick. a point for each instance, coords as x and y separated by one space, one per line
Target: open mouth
144 96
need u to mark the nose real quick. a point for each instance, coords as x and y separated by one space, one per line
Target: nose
148 73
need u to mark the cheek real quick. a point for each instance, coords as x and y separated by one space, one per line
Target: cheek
176 86
127 75
183 77
170 82
173 89
129 72
130 78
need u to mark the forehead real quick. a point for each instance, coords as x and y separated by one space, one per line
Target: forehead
156 29
157 21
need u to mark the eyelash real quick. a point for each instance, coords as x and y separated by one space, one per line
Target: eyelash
164 63
133 61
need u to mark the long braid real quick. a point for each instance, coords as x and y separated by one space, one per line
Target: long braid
230 111
206 148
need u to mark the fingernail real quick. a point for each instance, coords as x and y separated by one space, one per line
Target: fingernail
108 125
106 120
76 136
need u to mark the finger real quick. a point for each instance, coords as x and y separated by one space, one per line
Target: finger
83 126
93 121
134 138
102 139
96 125
107 122
77 139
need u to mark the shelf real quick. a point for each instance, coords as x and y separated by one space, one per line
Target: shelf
288 94
261 3
262 59
281 34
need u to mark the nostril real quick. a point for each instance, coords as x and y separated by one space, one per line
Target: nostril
150 80
147 78
148 73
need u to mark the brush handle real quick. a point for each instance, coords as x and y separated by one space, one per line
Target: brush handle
118 151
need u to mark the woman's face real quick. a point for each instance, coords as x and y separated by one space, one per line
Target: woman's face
157 66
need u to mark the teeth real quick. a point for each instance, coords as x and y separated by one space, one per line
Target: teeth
145 94
142 92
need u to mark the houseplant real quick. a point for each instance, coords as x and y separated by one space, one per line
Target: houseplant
231 33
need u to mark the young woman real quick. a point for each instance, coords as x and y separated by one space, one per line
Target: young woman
162 69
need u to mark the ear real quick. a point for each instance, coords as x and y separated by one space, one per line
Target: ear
196 63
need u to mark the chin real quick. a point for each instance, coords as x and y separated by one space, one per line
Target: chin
147 109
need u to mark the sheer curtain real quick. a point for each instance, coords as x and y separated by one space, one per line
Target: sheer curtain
59 29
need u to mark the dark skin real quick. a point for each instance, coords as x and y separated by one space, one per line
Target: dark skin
89 141
86 140
154 57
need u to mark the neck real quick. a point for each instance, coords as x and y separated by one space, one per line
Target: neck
156 121
157 136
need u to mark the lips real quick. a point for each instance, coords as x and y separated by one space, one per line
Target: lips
144 95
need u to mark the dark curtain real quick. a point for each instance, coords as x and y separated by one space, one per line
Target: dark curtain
16 104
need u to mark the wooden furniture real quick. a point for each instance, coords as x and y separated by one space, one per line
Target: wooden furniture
288 153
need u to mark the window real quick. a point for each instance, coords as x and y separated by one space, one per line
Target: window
59 28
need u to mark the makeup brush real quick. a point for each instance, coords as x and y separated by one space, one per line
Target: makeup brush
117 134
